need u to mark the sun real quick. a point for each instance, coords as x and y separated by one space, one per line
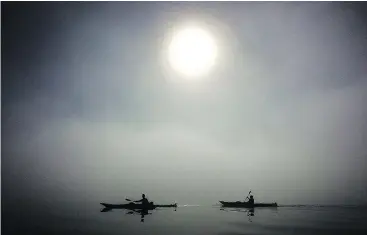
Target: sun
192 52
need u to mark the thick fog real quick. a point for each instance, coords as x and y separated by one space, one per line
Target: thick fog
91 112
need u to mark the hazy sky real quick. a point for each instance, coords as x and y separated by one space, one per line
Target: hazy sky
90 110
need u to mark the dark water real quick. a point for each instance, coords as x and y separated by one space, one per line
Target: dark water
87 219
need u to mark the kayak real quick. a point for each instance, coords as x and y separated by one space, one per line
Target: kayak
133 206
247 205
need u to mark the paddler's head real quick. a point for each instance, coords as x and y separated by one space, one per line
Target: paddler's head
143 195
251 196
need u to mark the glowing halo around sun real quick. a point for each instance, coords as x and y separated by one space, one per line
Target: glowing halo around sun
192 52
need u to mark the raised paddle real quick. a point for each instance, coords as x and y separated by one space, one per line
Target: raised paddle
248 194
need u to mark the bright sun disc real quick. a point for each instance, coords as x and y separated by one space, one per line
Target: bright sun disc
192 52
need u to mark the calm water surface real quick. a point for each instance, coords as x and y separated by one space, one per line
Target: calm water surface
87 219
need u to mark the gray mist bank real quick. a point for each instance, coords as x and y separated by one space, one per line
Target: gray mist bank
93 116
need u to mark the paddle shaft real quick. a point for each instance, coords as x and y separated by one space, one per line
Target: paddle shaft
248 194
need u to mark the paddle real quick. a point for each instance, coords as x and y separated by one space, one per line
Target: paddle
248 194
129 200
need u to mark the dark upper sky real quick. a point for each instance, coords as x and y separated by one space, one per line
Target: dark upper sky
86 99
